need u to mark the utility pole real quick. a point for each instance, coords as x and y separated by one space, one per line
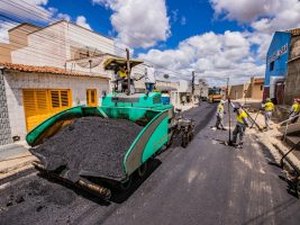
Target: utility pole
229 114
193 85
128 70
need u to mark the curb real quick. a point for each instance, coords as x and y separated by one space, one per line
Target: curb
277 149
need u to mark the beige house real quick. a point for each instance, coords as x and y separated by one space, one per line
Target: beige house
252 89
46 70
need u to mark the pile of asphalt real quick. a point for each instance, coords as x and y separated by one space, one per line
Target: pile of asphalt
92 144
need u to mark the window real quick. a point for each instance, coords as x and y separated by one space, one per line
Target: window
271 68
60 98
261 87
91 97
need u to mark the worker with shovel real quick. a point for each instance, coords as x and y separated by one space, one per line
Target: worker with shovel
240 127
295 110
220 115
268 111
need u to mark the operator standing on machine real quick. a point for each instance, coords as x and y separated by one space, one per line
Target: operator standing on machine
150 78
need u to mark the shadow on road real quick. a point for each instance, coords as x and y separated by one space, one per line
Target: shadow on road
272 212
121 196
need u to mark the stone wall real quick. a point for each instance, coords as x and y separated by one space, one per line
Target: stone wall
5 131
292 83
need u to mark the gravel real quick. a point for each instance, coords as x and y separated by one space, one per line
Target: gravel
92 144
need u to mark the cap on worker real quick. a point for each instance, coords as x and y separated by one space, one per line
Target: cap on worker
222 101
268 99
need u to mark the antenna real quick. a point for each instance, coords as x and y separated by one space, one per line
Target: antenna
88 57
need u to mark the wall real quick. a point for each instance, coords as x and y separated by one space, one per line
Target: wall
5 52
58 44
46 47
5 131
16 81
255 88
292 83
237 91
257 91
17 40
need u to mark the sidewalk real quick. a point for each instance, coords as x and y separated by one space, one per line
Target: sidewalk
15 158
271 140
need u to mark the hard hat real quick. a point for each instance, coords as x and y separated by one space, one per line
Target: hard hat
268 99
222 101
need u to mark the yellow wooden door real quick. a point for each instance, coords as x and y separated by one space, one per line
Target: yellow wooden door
40 104
91 97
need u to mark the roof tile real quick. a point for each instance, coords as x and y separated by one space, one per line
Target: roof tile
47 69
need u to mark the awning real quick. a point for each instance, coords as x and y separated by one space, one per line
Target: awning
113 63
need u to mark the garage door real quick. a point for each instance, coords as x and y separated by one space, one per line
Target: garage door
40 104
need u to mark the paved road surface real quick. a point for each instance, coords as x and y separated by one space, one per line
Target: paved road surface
206 183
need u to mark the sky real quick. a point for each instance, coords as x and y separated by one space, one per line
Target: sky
215 38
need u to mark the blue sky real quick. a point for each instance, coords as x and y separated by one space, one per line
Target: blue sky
198 16
215 38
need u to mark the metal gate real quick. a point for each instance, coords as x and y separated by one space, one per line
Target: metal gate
40 104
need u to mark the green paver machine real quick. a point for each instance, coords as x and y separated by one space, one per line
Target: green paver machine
158 122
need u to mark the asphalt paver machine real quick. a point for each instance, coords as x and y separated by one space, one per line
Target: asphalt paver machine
157 123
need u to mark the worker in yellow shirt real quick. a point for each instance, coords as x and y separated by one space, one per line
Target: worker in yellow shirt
295 111
123 79
240 127
220 115
269 108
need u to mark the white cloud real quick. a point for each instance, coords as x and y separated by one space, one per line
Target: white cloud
81 21
139 23
264 15
215 56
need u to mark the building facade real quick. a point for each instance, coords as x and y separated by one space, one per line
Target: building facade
282 72
253 89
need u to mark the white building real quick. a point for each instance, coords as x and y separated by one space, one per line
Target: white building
46 70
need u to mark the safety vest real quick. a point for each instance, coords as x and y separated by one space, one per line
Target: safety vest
220 108
296 108
241 115
269 106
